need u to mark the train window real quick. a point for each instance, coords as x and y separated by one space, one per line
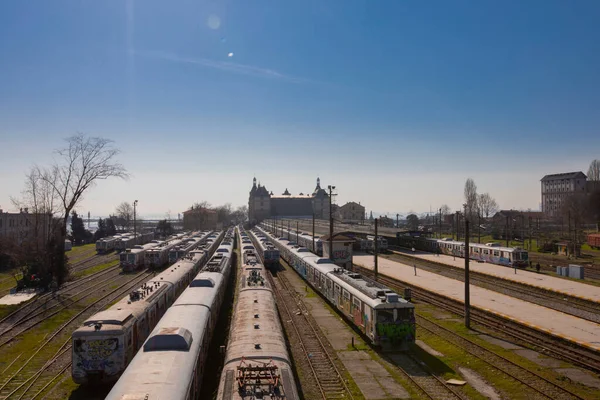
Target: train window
384 316
496 253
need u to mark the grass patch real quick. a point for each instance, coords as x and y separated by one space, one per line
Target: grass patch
458 357
26 344
7 309
94 269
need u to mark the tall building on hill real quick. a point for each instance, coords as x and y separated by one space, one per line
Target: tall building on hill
556 188
263 204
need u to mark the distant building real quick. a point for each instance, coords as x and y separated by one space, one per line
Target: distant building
200 219
385 222
23 225
342 249
557 188
352 212
263 204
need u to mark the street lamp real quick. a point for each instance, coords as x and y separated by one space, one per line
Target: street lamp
134 221
331 188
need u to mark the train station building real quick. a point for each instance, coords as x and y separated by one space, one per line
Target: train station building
263 204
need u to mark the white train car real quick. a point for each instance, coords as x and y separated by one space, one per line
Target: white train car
158 256
381 314
172 361
134 259
106 244
268 253
187 245
108 340
257 363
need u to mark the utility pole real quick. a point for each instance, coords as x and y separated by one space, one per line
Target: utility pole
134 221
479 226
507 245
457 223
313 235
88 220
397 221
376 249
331 188
297 233
288 229
530 233
440 223
467 291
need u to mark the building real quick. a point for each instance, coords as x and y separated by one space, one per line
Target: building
342 249
557 188
263 204
352 212
23 225
200 219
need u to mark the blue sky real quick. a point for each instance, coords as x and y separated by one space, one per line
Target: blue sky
397 103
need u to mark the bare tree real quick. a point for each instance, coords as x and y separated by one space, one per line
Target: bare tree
471 198
83 162
200 204
594 171
487 205
39 201
124 212
79 166
445 210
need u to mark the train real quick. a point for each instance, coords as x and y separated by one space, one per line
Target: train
171 363
106 342
384 317
268 253
158 256
187 245
257 363
122 241
492 253
134 259
382 243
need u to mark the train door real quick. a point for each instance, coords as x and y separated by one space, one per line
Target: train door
329 289
337 295
369 321
356 311
346 301
136 339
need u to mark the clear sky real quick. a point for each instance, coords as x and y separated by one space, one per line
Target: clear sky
395 102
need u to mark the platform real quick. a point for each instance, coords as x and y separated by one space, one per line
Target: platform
559 324
17 298
544 281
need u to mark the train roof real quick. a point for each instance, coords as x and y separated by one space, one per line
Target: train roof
163 367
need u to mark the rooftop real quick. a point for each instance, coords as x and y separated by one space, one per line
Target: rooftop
564 175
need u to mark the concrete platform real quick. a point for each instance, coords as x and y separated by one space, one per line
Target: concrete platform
17 298
548 282
572 328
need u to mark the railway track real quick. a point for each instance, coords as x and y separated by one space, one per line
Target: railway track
432 386
330 382
567 304
94 260
551 345
531 379
48 301
40 369
51 307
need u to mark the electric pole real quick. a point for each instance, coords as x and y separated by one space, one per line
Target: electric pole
376 248
134 221
331 188
313 234
467 292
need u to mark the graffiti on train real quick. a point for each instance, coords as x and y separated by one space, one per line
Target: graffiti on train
396 332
